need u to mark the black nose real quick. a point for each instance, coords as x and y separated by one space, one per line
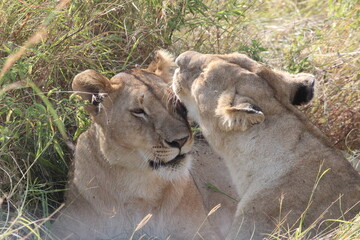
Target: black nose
178 143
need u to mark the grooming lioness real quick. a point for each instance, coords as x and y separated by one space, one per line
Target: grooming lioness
286 173
131 162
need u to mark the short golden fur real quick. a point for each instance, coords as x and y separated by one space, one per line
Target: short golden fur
285 170
132 161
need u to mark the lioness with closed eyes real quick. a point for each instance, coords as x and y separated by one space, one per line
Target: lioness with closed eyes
285 171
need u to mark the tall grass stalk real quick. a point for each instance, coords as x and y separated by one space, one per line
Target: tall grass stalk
212 211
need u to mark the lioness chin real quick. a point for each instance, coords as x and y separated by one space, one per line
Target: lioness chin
132 161
286 173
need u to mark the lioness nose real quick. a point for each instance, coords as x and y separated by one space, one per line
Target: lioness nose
178 143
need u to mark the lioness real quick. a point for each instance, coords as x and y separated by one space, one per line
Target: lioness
132 161
286 173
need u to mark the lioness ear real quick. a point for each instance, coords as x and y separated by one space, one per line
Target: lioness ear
237 113
304 91
163 65
92 86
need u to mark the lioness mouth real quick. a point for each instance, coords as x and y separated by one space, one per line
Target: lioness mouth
173 162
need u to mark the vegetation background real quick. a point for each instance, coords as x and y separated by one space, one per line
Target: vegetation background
45 43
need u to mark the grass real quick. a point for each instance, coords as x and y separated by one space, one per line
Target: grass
45 43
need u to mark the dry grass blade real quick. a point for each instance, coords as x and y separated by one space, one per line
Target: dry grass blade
214 209
43 221
198 234
38 36
143 222
12 86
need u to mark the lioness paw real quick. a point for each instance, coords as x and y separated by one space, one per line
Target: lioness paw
237 113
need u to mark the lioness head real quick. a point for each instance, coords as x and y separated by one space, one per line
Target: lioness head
235 90
138 124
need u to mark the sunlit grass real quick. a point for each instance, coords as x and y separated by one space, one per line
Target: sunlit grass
45 43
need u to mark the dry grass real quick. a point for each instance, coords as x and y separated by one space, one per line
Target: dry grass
43 48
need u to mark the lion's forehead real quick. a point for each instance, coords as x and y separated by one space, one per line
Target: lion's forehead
156 97
220 75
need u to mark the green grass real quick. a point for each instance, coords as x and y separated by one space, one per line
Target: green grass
44 44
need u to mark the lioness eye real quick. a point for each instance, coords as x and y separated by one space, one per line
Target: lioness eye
138 112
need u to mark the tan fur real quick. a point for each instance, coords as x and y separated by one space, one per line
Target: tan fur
215 185
285 170
163 65
114 186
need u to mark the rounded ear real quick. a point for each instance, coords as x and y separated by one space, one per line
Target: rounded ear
304 91
237 113
163 65
92 86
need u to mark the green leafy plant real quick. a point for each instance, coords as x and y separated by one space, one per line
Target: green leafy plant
253 50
